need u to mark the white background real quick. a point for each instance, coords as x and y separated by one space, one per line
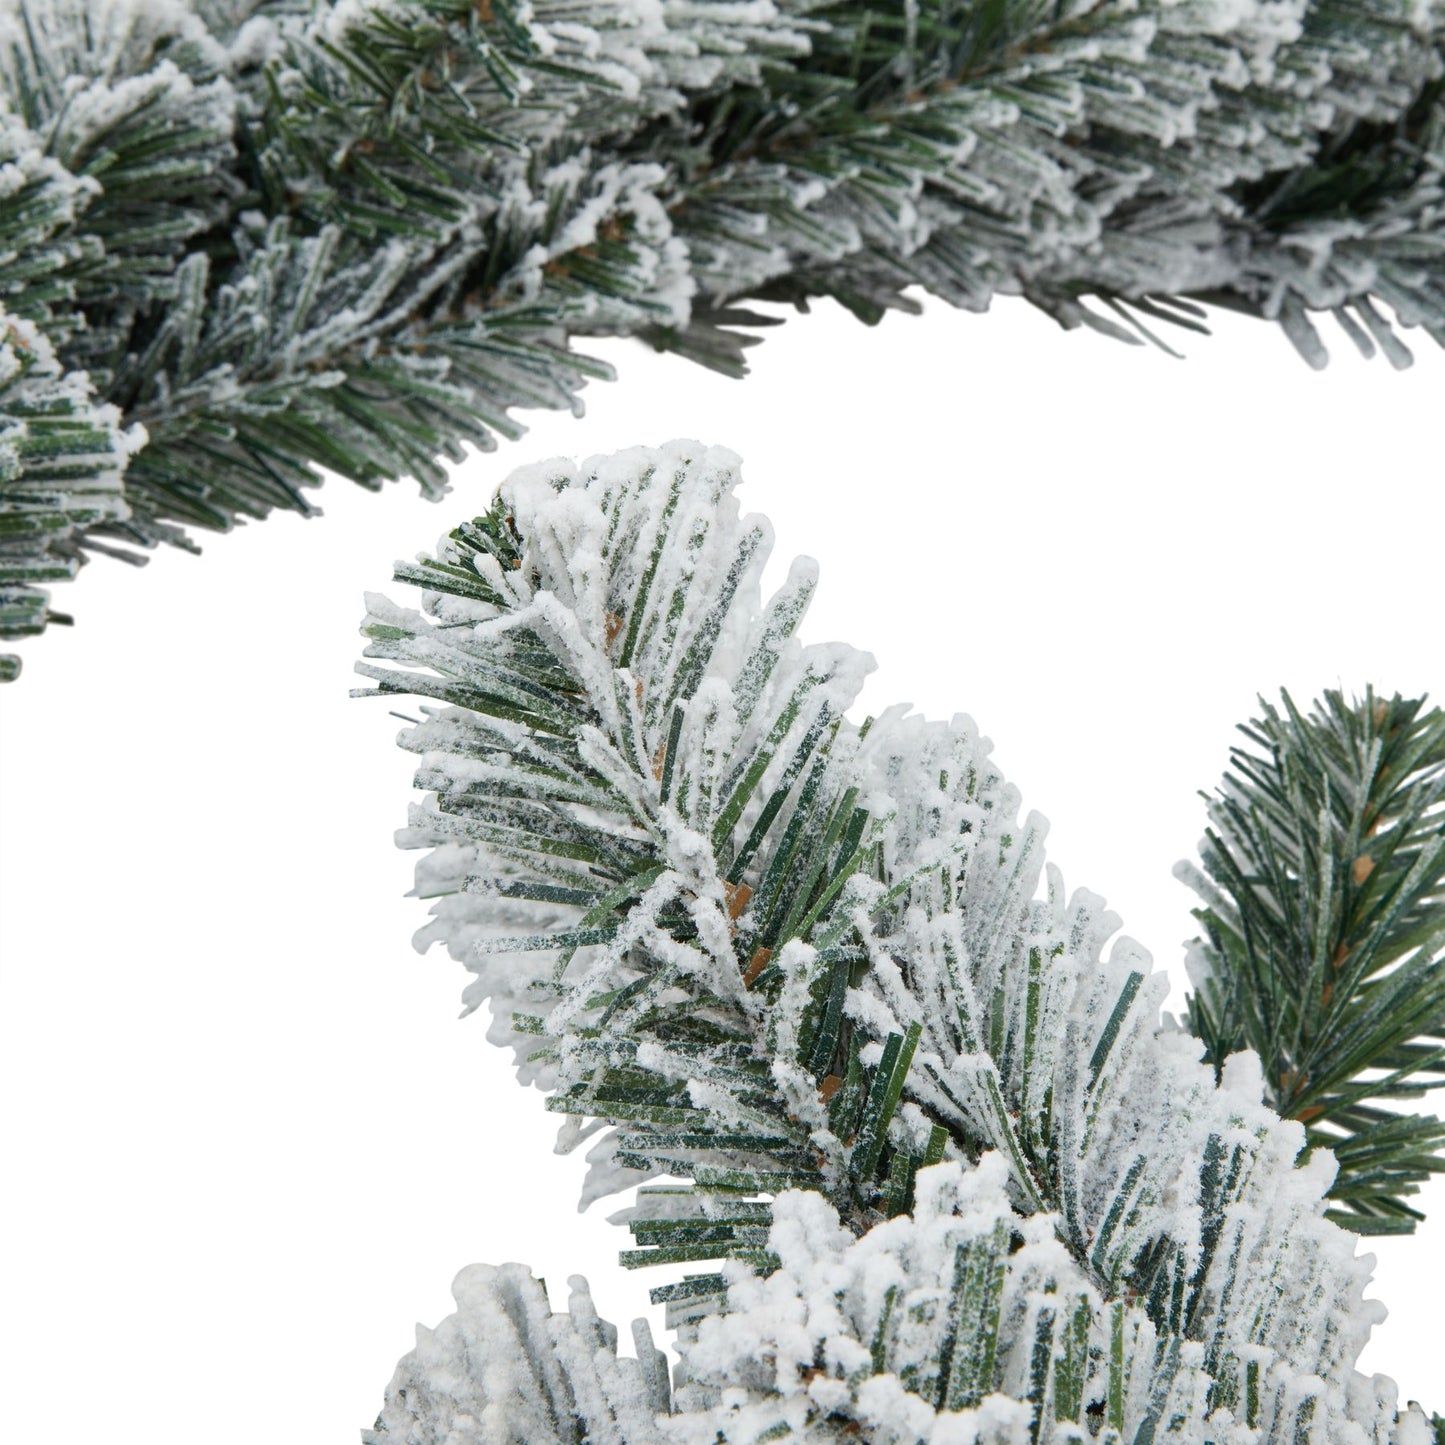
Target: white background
246 1141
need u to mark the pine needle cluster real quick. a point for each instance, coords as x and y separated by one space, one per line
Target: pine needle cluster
1325 944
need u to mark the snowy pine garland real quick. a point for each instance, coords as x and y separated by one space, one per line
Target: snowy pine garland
281 235
963 1185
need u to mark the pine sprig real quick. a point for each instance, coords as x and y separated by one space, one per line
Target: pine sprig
692 837
1325 939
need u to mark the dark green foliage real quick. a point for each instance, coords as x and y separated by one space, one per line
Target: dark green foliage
1325 935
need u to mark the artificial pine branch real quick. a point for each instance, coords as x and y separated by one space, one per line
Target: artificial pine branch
1325 935
284 235
960 1183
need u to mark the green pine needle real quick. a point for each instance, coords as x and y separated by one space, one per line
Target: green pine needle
1325 935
